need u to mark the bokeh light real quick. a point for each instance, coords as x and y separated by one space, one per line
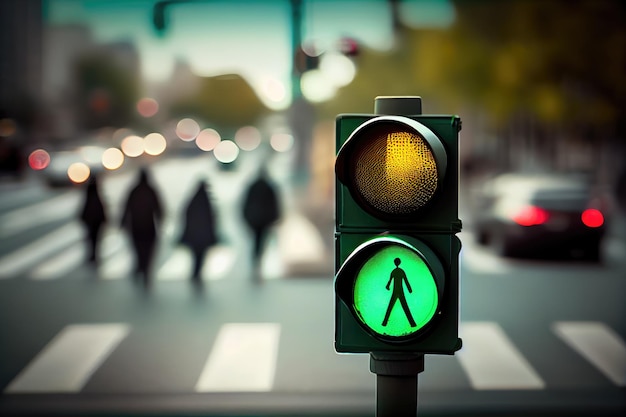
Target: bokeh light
7 127
281 142
112 158
39 159
316 87
147 107
133 146
226 151
208 139
274 90
154 144
187 129
338 69
78 172
248 138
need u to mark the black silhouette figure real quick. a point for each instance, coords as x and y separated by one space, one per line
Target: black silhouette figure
93 216
398 277
199 232
261 210
142 214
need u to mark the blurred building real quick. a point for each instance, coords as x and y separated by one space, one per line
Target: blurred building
65 47
21 29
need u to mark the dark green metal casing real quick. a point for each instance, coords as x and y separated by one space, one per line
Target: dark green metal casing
434 225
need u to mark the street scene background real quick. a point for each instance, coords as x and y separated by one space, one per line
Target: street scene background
218 104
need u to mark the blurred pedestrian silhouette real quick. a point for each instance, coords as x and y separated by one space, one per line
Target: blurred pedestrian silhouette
141 217
261 210
93 217
199 231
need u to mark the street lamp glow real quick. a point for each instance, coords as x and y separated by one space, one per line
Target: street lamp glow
248 138
78 172
154 144
112 159
187 129
147 107
208 139
316 87
226 151
133 146
338 69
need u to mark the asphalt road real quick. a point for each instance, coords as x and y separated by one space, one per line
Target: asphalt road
540 337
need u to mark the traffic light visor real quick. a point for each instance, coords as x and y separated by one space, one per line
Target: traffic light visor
392 165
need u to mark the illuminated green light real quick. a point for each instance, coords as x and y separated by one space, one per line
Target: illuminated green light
386 301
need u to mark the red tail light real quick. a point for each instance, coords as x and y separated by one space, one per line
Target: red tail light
531 216
592 218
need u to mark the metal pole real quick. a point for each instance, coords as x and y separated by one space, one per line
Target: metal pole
396 383
296 41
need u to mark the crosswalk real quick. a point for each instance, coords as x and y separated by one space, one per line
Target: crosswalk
244 357
63 250
45 241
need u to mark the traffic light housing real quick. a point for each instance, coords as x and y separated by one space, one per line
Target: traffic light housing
396 213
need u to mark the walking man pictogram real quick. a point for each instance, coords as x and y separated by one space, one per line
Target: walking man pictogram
398 277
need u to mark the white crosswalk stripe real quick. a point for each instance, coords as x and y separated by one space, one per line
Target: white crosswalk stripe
244 357
491 361
68 361
27 256
54 209
178 267
599 344
43 259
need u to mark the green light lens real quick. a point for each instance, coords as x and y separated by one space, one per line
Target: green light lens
395 292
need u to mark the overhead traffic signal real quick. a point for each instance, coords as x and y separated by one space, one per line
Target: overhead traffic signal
397 254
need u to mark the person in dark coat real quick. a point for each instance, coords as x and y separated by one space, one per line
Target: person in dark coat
141 217
199 231
93 216
261 210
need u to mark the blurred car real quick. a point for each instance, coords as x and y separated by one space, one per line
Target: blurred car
541 216
56 173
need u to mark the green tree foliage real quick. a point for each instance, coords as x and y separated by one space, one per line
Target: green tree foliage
556 60
107 92
225 101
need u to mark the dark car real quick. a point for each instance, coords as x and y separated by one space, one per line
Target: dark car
545 216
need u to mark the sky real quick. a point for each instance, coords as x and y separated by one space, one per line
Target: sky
248 37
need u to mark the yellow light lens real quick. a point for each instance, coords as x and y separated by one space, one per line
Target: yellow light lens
396 172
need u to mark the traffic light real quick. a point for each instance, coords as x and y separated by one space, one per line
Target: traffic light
396 213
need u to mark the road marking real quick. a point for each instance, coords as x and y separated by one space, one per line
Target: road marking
492 362
243 359
53 209
61 264
22 259
69 360
597 343
178 266
219 262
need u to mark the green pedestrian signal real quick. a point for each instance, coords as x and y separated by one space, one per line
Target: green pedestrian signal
396 213
396 292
